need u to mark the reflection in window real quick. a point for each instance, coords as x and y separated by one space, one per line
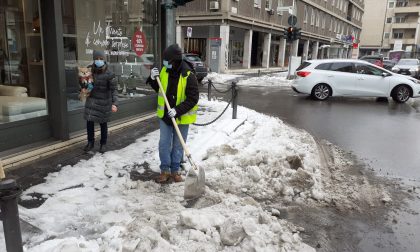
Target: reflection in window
22 88
342 67
125 30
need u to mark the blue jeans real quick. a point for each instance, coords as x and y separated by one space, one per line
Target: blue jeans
170 148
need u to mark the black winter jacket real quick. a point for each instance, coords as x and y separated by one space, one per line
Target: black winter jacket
191 91
98 106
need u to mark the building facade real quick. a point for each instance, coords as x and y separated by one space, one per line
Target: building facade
243 34
402 27
372 36
42 44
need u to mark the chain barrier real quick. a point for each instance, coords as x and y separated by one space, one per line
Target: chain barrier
224 110
223 92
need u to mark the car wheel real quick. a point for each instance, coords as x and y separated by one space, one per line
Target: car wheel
321 92
401 94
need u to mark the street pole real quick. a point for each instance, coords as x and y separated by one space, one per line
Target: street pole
170 23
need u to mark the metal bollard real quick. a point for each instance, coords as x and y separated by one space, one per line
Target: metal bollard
234 100
209 90
9 193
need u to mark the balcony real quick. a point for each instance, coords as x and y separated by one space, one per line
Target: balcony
404 41
408 9
404 25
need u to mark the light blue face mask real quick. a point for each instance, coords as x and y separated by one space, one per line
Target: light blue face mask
99 63
167 65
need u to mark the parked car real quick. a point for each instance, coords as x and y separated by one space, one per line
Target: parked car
389 64
324 78
374 59
408 67
199 66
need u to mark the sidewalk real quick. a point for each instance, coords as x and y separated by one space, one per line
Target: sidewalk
33 172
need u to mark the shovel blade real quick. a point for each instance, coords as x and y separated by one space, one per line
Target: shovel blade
195 184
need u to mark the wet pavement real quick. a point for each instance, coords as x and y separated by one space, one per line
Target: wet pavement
383 136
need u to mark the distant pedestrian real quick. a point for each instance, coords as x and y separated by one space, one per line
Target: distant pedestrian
181 88
101 101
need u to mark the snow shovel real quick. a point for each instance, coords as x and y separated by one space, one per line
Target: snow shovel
194 183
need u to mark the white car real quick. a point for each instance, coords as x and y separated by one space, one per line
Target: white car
345 77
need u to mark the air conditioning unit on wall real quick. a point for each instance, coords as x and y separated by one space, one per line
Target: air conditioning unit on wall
214 5
270 12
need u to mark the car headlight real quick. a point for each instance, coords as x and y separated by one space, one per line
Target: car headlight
396 69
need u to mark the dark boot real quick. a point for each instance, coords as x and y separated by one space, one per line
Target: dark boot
103 148
89 146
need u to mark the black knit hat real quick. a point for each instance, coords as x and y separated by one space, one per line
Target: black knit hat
98 54
172 53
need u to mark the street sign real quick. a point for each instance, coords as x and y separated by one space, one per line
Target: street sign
139 42
292 20
189 32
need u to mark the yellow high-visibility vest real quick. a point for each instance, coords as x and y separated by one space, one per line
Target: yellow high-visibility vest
187 118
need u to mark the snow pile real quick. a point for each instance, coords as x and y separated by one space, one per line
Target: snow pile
96 205
221 78
275 79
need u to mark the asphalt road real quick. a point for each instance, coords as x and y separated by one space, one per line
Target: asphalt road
383 135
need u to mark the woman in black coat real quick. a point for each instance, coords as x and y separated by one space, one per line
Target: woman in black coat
101 101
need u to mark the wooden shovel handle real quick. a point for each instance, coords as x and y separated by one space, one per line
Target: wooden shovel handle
181 139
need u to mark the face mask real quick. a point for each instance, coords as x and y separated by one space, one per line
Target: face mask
167 65
99 63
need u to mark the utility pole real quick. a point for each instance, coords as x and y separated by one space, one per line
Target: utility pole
170 22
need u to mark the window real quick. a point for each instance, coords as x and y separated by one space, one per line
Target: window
400 19
318 18
323 66
312 16
89 25
305 15
268 4
368 70
402 3
386 35
305 64
257 3
389 20
391 5
331 24
332 2
22 93
279 4
398 35
346 67
323 20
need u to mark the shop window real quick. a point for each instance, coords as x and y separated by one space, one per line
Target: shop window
22 87
125 30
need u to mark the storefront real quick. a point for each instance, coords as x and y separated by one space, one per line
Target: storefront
42 45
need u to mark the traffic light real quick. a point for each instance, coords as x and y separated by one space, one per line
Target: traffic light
296 33
288 33
181 2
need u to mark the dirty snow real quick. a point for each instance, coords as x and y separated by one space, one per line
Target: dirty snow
265 80
94 205
221 78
